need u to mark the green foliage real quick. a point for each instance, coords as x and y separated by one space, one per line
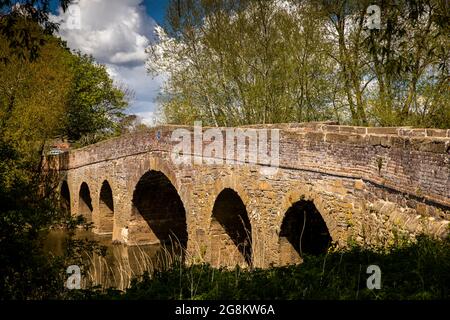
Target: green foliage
414 271
248 61
58 94
409 59
34 99
95 104
24 44
29 209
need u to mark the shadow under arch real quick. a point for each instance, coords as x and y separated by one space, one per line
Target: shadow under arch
85 202
230 231
157 201
106 209
303 231
65 198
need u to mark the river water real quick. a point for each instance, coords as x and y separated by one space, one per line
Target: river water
120 264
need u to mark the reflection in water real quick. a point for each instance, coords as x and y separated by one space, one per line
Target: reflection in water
121 264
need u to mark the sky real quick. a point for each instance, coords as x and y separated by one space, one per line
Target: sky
116 33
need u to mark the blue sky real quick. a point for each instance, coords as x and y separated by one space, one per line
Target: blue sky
155 8
116 33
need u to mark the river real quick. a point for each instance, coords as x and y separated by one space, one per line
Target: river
120 264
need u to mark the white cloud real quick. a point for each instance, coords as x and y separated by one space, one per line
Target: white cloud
149 118
116 33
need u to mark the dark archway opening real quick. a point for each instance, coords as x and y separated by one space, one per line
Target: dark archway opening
106 209
231 229
65 198
158 202
85 202
303 231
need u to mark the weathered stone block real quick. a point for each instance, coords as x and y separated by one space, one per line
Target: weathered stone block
378 130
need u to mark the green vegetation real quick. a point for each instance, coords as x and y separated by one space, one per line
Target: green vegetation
95 104
413 271
28 210
43 97
59 94
23 42
239 62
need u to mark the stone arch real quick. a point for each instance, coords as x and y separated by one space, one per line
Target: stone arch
303 231
306 226
158 213
105 209
233 182
230 230
85 202
155 163
65 198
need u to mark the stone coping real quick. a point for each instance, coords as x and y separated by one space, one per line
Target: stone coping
326 127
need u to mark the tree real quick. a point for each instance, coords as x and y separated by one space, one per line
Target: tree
251 61
34 98
346 27
95 103
33 95
395 75
409 58
23 43
240 62
58 94
131 123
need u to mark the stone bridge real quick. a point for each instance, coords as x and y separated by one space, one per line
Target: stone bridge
333 185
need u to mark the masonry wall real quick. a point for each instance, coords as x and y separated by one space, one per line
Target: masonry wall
367 183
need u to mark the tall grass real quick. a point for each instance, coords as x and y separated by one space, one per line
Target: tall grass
412 270
122 264
418 270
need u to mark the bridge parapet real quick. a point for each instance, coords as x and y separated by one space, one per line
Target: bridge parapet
412 162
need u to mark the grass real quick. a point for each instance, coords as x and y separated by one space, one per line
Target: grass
413 271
